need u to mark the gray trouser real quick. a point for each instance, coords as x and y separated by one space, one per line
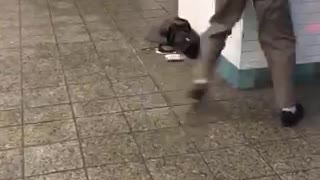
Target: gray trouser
276 37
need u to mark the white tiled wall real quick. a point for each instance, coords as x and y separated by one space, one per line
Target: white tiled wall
198 13
306 17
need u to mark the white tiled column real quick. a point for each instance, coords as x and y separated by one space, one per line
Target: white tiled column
198 13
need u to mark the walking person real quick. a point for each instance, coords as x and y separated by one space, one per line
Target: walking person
276 38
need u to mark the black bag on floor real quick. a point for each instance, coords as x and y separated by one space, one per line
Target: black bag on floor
177 32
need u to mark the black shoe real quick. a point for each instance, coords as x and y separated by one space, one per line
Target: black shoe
290 119
198 91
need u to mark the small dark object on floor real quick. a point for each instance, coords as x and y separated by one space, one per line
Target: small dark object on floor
165 49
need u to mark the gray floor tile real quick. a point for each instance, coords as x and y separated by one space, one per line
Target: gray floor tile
92 91
158 64
45 96
63 8
132 171
302 175
48 113
154 13
223 92
43 79
267 178
50 132
68 175
314 142
9 75
288 155
154 61
143 102
71 33
9 38
311 125
52 158
134 86
206 112
126 15
7 23
118 56
39 57
10 61
29 8
147 5
168 5
97 17
102 32
159 69
133 25
125 70
83 76
100 27
184 113
102 125
168 83
110 150
10 118
93 108
10 137
237 163
164 142
37 41
111 45
139 43
119 7
66 19
80 56
44 20
179 98
10 164
188 167
122 63
236 111
155 20
40 64
36 31
151 119
264 129
10 82
215 136
310 128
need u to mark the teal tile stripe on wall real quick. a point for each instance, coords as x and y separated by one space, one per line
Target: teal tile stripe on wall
259 78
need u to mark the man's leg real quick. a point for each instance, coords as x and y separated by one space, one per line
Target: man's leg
278 41
228 12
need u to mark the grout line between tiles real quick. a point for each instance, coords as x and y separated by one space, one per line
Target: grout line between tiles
22 92
68 92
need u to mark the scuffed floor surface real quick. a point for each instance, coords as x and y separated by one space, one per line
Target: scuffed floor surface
82 98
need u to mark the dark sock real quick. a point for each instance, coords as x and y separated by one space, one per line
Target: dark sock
198 91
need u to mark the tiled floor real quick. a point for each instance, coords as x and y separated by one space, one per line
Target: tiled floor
83 98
